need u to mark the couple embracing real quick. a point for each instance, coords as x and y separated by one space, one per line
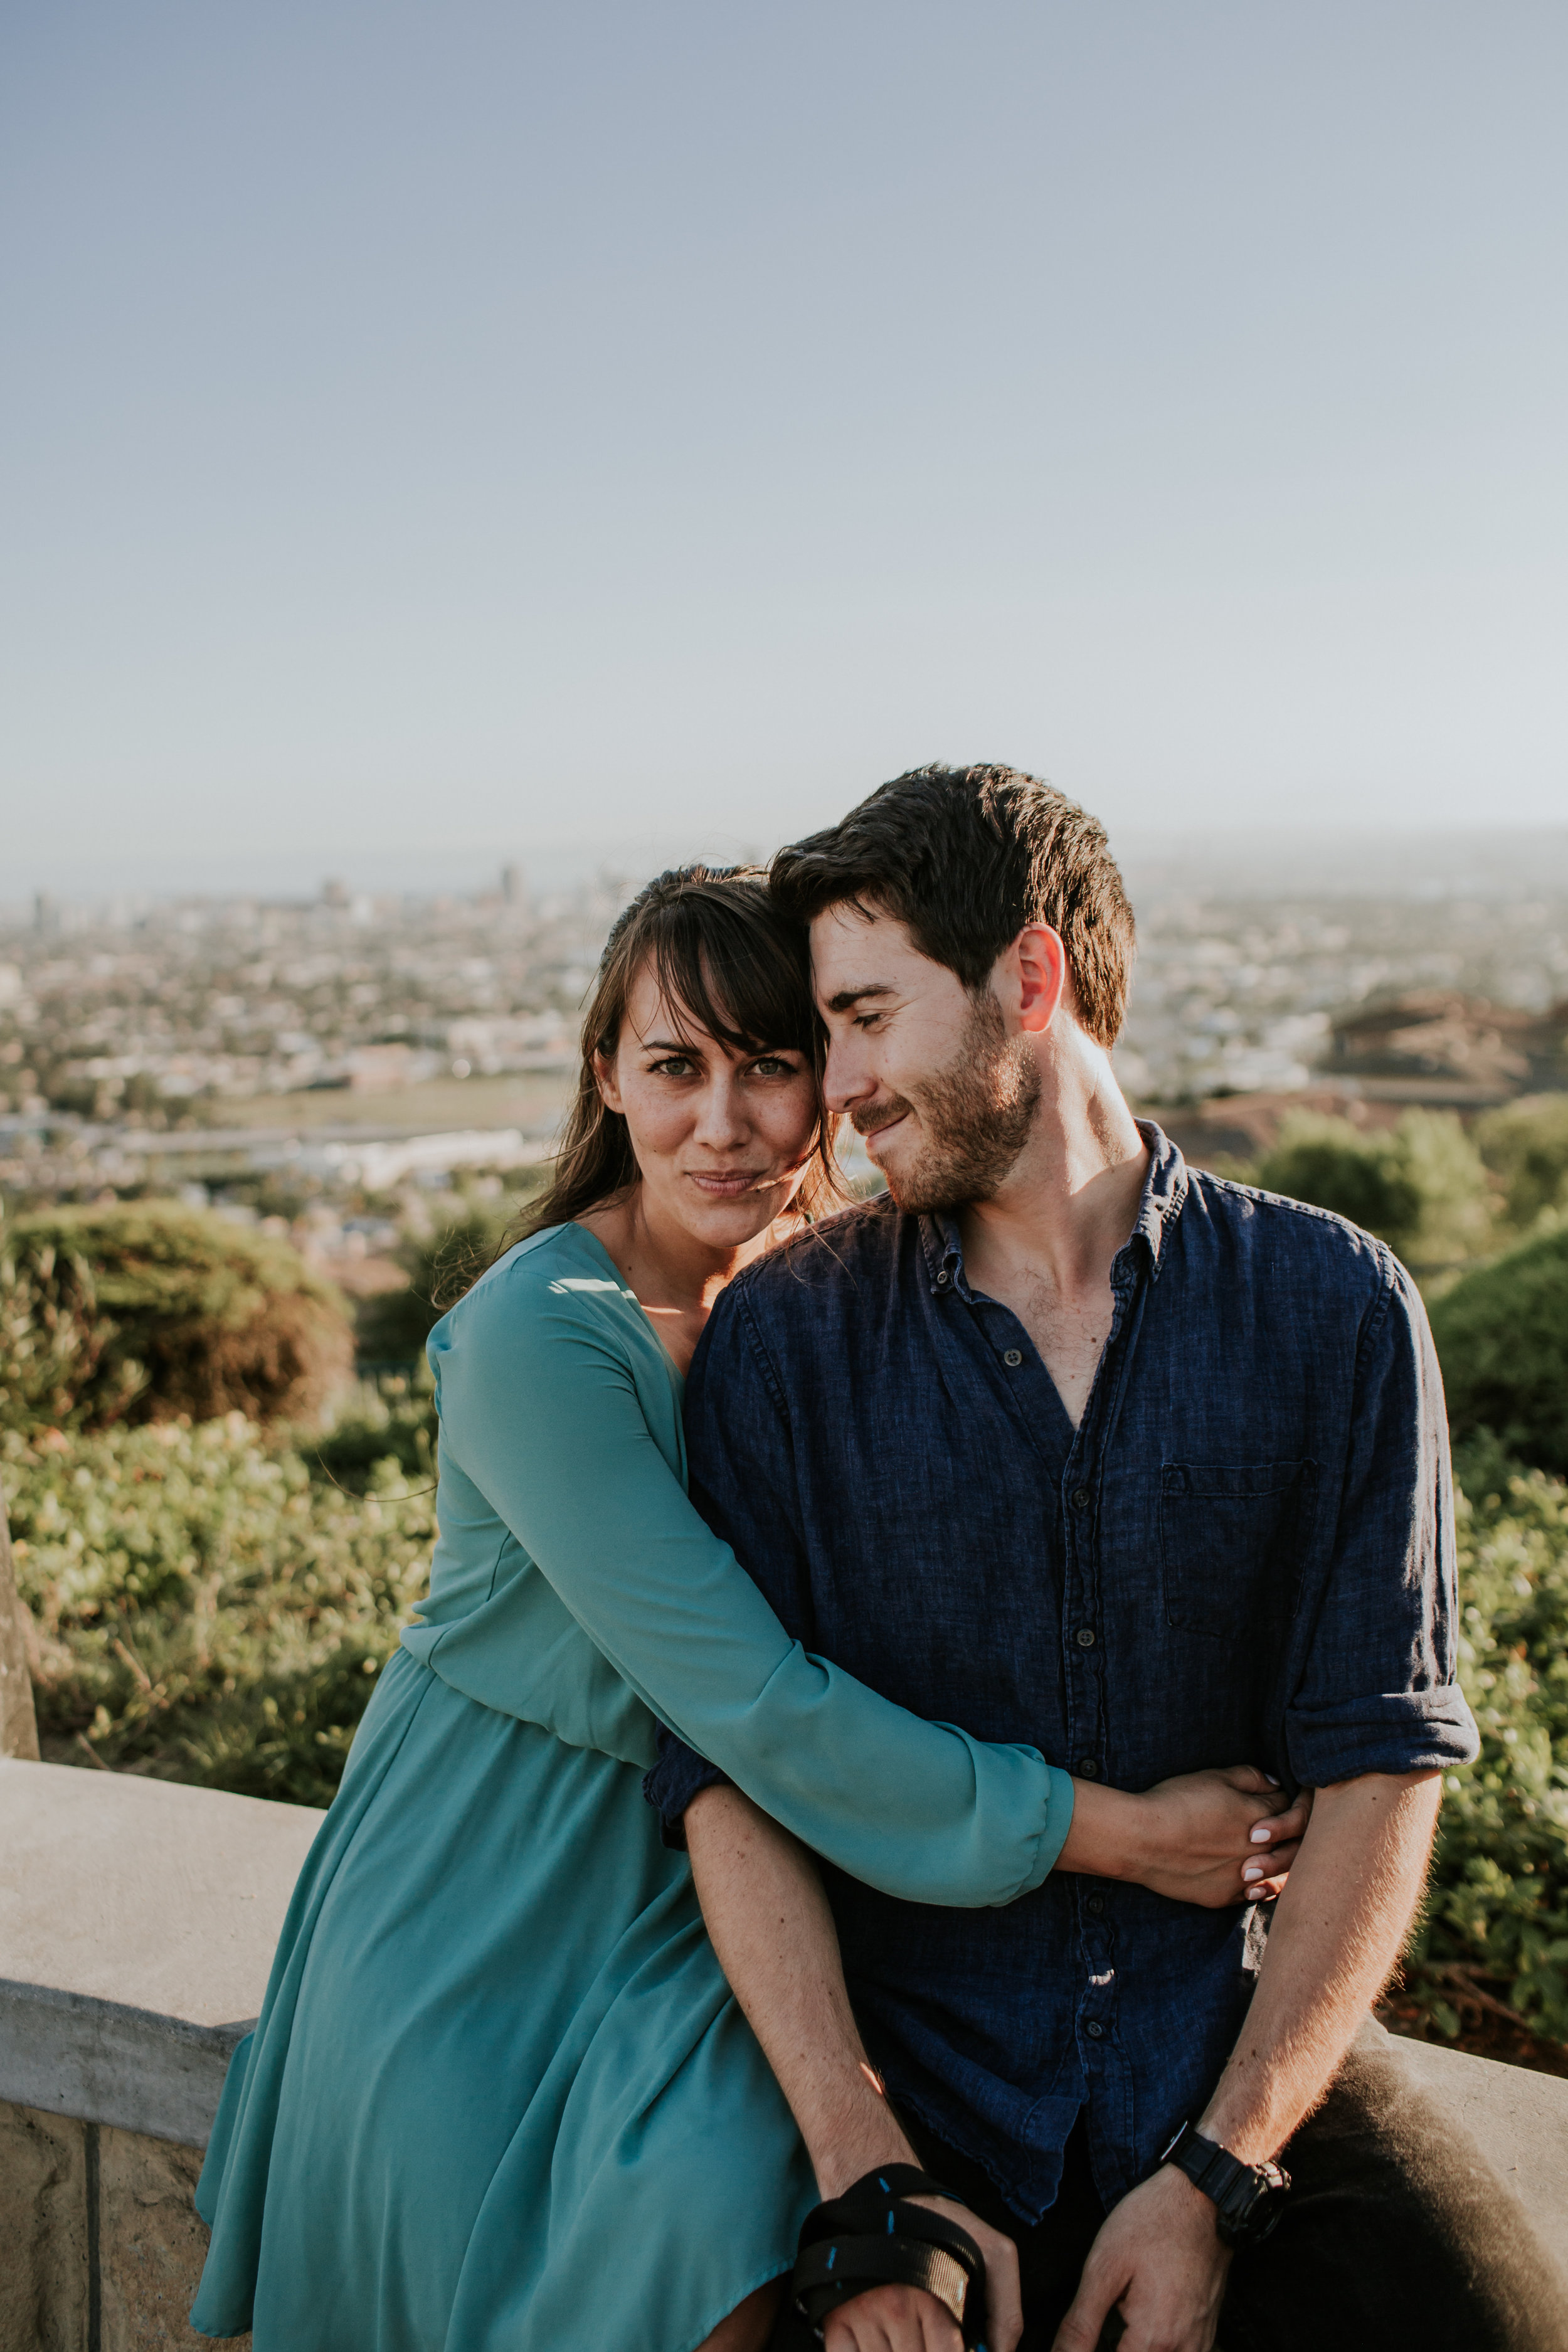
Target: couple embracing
799 1877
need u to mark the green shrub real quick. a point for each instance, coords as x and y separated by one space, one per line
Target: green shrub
1525 1145
394 1324
1503 1337
1496 1923
147 1310
1421 1186
394 1422
204 1608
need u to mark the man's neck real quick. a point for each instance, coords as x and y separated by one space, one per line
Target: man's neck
1044 1244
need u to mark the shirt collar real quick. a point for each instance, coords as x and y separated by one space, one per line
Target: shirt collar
1159 1206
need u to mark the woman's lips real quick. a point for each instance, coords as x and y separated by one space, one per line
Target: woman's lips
724 1188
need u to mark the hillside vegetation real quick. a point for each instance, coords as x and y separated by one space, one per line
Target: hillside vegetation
147 1311
212 1590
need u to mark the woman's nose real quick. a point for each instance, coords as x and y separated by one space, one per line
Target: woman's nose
720 1117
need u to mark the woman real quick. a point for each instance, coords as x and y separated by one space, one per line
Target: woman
498 2095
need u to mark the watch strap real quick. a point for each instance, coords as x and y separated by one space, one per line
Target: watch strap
1248 2199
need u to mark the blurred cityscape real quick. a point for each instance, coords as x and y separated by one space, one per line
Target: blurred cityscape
340 1063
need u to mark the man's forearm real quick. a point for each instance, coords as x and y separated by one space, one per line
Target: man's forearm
770 1925
1336 1933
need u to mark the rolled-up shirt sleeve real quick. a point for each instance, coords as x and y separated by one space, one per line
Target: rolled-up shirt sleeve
1375 1688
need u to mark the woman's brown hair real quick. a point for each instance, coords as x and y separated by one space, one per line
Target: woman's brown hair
725 957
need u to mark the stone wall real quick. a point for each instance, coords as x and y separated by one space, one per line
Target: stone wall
103 2245
137 1927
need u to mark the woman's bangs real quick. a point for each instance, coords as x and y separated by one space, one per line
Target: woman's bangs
732 979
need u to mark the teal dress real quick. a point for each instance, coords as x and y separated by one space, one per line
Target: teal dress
499 2098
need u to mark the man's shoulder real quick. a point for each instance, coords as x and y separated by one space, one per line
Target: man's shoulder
862 1250
1285 1239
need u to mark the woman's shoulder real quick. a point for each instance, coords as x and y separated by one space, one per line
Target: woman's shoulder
559 1273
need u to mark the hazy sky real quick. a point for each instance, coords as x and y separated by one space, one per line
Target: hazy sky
432 430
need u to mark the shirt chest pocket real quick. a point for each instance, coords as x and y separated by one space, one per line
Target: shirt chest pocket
1231 1539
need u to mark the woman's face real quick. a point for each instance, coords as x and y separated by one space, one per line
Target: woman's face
722 1138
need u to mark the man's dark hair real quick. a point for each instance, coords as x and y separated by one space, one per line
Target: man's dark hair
964 857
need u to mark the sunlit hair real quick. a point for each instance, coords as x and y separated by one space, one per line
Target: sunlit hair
727 961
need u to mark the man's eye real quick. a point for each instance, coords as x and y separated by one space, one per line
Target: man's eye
867 1020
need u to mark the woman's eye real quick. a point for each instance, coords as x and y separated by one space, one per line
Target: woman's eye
773 1066
674 1065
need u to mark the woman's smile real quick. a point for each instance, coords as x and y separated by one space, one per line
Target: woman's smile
728 1183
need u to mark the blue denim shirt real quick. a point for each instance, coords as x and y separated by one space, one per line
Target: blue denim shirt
1244 1553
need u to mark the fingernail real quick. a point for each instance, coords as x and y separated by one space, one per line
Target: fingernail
1262 1834
1254 1870
1271 1779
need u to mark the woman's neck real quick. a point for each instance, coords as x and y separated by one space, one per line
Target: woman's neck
676 1278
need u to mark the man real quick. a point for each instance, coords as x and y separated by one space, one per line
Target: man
1068 1444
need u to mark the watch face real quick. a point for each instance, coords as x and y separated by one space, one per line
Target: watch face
1263 2216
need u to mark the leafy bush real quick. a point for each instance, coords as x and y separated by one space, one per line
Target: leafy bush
1421 1186
1503 1337
394 1324
1495 1930
148 1311
1525 1145
207 1609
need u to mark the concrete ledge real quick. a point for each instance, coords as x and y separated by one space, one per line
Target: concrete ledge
1519 2121
71 2054
138 1921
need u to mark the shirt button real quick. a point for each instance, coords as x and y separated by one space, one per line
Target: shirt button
1087 1769
1093 2030
1079 1498
943 1279
1084 1637
1014 1355
1096 1903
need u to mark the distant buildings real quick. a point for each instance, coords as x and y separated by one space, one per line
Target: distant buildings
129 1035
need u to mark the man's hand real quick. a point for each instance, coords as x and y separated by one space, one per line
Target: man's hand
906 2319
1159 2259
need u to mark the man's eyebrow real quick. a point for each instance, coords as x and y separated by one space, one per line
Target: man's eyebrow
851 996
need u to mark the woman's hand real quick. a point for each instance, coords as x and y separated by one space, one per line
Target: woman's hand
1223 1837
1212 1838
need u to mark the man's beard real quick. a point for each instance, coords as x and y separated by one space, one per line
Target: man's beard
976 1115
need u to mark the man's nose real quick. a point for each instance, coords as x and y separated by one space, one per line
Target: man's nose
846 1079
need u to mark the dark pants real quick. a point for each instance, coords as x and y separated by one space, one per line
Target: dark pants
1398 2236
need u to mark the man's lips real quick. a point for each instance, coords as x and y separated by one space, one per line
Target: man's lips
869 1135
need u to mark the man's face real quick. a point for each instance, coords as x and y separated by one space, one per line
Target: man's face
943 1097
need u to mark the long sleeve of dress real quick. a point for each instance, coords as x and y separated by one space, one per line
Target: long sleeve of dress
540 1410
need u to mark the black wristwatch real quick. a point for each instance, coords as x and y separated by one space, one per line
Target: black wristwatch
1248 2198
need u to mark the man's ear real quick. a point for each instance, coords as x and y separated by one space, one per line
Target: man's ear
1040 976
604 1079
